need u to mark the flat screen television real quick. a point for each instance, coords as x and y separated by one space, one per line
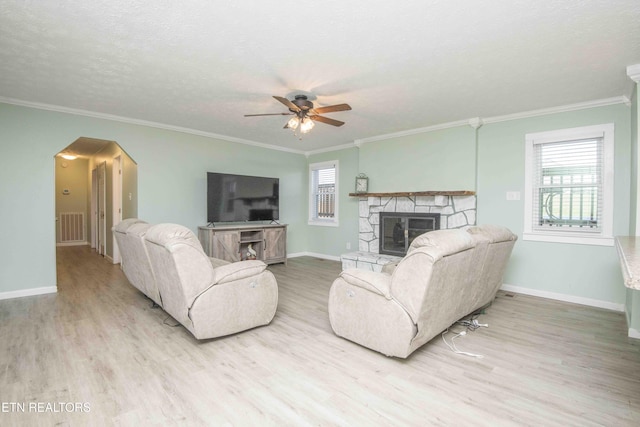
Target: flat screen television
239 198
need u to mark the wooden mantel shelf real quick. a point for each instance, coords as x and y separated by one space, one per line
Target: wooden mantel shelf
416 193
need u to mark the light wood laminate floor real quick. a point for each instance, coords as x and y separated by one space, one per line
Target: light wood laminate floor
98 341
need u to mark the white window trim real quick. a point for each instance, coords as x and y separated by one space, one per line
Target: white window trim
324 222
603 238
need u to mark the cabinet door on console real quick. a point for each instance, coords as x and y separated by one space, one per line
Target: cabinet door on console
226 245
275 244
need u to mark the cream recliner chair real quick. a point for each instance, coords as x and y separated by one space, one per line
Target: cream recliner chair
446 275
210 297
135 261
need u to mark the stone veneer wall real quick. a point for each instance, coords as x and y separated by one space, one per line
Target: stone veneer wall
455 212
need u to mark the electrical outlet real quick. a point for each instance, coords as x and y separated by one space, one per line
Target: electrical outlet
348 245
513 195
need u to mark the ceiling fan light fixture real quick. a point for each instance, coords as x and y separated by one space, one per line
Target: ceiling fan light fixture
305 114
306 125
293 123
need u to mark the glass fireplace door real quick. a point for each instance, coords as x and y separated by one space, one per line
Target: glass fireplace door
398 230
394 240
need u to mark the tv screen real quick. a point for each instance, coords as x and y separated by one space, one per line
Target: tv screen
235 198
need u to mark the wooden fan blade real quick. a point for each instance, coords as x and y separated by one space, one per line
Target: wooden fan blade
269 114
326 120
332 108
290 105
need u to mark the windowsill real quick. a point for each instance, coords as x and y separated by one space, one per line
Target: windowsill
324 223
569 237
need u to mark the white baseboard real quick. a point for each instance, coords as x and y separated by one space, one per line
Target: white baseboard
72 244
634 333
315 255
563 297
28 292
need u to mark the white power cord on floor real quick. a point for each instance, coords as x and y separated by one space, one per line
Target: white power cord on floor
453 347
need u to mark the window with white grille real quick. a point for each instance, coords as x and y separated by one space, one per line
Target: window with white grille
323 193
569 185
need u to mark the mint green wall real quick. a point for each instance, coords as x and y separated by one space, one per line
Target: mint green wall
635 118
333 240
578 270
438 160
27 185
446 160
632 302
172 185
171 182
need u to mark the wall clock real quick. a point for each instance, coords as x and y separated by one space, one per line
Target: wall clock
362 183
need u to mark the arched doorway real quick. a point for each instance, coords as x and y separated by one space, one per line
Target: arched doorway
96 187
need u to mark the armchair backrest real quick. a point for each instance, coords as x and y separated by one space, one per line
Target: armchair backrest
182 269
129 234
500 245
432 271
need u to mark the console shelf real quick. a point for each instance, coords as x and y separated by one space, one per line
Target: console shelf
231 242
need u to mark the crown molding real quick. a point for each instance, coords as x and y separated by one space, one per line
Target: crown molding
359 142
559 109
475 122
633 71
111 117
329 149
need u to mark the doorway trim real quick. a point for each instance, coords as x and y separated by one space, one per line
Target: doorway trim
116 171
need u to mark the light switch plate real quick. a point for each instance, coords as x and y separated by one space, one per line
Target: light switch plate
513 195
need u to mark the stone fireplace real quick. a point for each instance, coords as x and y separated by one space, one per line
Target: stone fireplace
457 209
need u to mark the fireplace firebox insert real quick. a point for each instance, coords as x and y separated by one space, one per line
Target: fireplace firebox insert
398 229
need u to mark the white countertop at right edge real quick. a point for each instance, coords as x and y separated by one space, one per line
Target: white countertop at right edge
629 253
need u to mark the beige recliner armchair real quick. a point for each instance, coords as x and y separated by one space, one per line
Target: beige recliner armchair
210 297
135 262
446 275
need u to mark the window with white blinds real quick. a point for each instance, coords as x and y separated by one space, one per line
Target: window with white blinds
323 193
569 186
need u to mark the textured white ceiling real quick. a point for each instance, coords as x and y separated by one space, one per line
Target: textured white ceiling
404 65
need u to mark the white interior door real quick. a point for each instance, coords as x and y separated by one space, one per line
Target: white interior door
93 216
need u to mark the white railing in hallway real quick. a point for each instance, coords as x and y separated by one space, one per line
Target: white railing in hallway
72 227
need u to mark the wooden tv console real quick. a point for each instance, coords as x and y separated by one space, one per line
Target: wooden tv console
231 242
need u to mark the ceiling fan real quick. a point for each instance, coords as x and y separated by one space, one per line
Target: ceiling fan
305 114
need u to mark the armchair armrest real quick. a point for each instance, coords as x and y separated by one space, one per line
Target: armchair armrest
217 262
390 267
379 283
237 271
